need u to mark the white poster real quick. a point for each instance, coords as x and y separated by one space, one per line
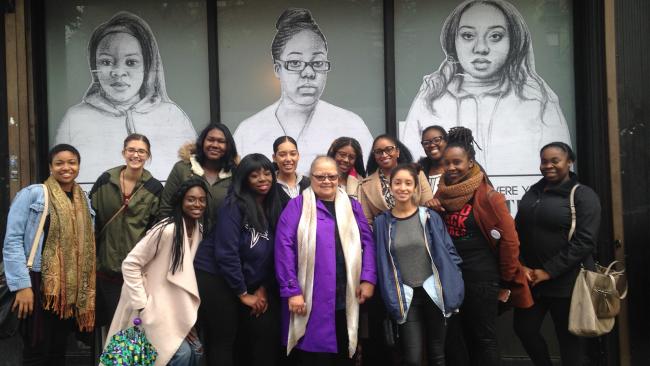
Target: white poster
300 62
488 83
127 94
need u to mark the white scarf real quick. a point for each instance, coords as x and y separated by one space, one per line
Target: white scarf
351 244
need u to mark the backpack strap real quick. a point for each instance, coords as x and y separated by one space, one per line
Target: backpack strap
39 231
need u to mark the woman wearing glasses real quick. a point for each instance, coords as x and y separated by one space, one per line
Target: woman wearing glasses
346 151
300 62
434 142
325 267
126 200
374 194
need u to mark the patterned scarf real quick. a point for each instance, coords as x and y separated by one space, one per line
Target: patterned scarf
385 190
68 261
454 197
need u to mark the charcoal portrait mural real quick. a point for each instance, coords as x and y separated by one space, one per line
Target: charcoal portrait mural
127 94
488 83
299 54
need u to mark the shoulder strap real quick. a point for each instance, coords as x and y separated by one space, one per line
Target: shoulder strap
124 205
39 231
572 203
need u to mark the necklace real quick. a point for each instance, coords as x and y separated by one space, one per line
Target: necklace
307 122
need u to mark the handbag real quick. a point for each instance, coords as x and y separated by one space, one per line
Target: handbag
596 300
596 297
8 319
129 347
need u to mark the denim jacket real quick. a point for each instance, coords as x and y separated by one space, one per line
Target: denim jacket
445 286
22 223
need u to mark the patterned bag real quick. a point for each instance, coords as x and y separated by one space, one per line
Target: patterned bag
129 347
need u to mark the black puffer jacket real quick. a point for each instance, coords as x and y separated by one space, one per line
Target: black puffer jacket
543 223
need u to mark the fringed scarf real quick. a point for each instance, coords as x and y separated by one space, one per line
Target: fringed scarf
454 197
351 243
68 260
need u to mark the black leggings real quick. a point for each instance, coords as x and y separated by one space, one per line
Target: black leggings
223 320
472 337
425 326
527 323
51 349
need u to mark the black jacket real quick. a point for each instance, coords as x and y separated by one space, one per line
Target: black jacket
543 223
284 197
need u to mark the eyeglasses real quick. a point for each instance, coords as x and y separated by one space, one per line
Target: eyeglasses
321 178
141 152
434 141
299 66
345 156
388 150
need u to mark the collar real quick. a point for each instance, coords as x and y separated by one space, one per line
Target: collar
563 189
114 175
197 169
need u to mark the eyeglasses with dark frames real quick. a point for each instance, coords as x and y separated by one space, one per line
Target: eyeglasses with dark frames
434 141
321 178
388 150
299 66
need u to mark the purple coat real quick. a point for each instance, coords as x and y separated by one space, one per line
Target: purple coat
320 335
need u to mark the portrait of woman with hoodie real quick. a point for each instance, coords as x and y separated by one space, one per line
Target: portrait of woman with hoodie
127 94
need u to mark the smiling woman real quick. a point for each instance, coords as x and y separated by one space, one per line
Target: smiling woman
300 62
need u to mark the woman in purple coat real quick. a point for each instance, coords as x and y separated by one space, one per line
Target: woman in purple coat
325 266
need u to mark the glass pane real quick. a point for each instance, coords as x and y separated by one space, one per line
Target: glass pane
250 90
514 101
129 92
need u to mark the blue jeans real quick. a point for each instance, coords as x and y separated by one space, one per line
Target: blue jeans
186 355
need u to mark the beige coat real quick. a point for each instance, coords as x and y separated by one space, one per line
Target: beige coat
373 201
352 187
169 301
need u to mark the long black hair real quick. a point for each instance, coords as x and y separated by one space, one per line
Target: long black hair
175 217
342 142
405 155
228 160
260 218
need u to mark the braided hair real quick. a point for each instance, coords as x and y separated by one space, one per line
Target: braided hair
462 137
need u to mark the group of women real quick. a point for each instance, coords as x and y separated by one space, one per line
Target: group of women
266 266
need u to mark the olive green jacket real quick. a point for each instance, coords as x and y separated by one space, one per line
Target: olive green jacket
117 239
186 168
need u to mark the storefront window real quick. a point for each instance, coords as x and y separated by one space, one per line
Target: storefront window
126 89
263 96
484 75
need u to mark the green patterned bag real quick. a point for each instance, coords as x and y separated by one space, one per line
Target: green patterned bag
129 347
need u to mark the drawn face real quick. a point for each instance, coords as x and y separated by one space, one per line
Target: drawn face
457 164
434 144
194 203
385 153
302 87
65 169
214 144
287 158
324 180
120 67
260 181
482 42
402 186
135 154
555 165
345 158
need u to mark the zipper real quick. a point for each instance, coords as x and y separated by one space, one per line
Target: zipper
390 254
435 269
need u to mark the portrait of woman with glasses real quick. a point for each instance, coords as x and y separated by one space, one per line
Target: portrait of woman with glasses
300 62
